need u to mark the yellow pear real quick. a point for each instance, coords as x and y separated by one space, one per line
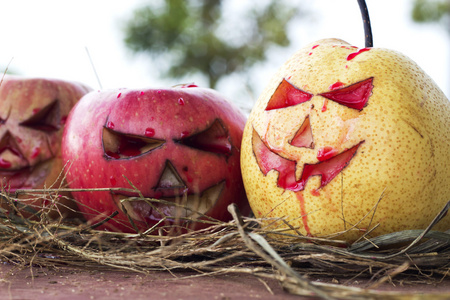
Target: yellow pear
345 142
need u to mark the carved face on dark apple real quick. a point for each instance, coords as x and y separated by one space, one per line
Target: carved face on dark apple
33 112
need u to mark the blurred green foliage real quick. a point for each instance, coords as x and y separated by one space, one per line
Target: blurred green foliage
432 11
205 37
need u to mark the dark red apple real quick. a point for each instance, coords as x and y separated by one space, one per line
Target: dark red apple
179 145
33 112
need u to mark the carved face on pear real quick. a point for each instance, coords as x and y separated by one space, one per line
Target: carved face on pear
336 137
331 157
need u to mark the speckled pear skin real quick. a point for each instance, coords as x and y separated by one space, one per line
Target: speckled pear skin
399 177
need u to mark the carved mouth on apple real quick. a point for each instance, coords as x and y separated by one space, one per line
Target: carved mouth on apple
184 206
27 177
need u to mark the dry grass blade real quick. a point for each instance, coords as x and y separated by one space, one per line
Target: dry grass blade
271 256
239 246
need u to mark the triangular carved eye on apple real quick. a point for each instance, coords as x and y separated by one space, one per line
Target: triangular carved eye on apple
287 95
46 119
353 96
117 145
214 139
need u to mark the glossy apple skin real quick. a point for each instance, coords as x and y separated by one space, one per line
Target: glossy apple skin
33 112
399 176
166 115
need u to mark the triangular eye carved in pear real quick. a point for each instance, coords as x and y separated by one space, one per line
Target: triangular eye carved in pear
118 145
287 95
353 96
214 139
46 119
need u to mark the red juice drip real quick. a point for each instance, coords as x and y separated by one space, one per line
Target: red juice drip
315 192
337 85
190 85
4 164
142 93
149 132
35 152
184 134
110 125
325 153
189 178
120 94
324 107
353 55
63 120
315 46
181 101
303 213
112 180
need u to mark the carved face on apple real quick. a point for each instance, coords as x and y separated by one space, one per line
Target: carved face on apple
341 141
179 146
33 112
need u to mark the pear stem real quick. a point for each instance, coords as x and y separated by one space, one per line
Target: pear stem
366 21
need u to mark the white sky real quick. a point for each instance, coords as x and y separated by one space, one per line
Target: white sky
48 38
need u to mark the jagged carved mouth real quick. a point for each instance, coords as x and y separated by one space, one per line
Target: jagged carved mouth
28 177
327 168
182 206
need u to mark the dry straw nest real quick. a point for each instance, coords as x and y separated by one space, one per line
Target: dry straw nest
239 246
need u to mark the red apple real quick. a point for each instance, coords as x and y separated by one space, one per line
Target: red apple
180 145
33 112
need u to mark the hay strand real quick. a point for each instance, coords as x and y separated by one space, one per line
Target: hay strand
238 246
